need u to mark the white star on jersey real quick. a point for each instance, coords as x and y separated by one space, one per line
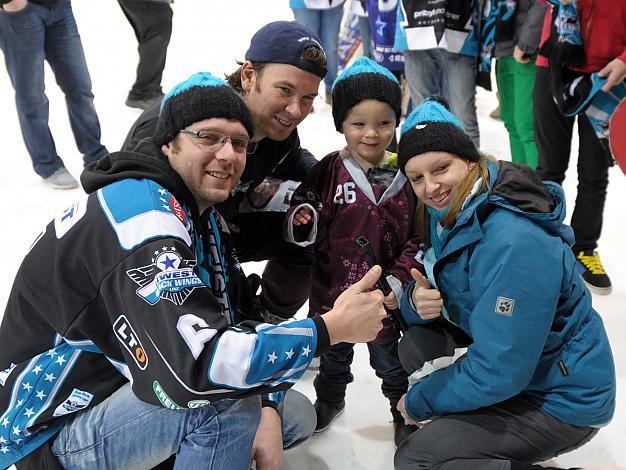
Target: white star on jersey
272 357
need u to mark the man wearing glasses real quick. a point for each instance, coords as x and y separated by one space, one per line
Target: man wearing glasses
124 340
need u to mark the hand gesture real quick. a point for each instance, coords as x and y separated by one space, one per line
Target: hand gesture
427 300
302 217
616 72
357 315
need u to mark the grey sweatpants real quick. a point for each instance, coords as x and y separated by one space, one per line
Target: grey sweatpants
506 436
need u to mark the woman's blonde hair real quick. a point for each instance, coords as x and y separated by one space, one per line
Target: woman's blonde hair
458 197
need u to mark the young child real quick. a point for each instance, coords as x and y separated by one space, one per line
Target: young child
358 191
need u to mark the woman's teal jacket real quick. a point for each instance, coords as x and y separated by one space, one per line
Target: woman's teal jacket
508 278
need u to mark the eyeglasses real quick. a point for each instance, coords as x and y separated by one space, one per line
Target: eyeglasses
213 140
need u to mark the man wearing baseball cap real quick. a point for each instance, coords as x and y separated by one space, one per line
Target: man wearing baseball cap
278 80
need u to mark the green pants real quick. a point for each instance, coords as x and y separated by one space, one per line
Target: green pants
515 85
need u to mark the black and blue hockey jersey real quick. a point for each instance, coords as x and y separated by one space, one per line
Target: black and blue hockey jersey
131 283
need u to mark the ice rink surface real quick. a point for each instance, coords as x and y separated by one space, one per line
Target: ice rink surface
210 35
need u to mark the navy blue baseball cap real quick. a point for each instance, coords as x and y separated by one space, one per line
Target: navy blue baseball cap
282 42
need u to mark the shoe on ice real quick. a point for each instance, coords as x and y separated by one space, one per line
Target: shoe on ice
326 413
143 103
592 272
61 179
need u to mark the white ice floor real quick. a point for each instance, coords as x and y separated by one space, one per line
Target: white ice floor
211 35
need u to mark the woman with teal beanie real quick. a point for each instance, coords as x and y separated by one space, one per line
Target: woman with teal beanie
537 378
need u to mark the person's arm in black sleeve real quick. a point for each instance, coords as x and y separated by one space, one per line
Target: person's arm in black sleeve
529 35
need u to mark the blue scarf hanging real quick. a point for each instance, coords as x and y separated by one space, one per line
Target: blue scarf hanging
438 233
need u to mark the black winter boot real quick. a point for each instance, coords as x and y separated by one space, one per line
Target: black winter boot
326 413
400 430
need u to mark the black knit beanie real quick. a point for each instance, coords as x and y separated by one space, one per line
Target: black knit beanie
431 127
201 96
365 80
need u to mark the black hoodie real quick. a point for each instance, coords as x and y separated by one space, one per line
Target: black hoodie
118 287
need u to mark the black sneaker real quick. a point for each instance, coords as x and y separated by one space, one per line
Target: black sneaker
143 103
326 413
592 272
401 430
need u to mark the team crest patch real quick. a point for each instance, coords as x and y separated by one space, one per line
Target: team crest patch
505 306
77 400
169 276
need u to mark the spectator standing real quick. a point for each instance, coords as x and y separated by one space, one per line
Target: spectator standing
323 17
440 48
32 32
602 32
515 75
152 23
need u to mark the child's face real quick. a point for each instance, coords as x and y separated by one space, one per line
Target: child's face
369 127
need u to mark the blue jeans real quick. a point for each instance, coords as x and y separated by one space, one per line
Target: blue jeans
125 432
298 418
27 38
453 76
326 24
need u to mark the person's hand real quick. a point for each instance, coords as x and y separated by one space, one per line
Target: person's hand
15 5
616 72
427 301
302 217
391 302
267 450
357 315
402 409
520 56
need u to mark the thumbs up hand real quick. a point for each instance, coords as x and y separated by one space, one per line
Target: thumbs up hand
358 313
427 301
